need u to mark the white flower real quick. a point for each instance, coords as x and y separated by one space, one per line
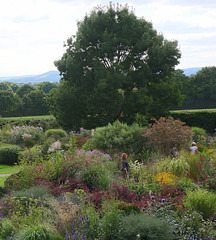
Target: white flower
54 146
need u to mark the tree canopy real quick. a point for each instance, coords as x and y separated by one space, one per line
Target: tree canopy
203 88
117 66
46 87
198 89
25 100
8 102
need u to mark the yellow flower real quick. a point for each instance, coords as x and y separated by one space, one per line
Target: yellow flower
210 151
164 178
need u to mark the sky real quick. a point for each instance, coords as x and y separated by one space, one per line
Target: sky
33 32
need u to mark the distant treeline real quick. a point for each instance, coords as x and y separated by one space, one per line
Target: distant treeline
199 90
24 99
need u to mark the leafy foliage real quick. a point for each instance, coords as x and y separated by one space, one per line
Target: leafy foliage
38 232
200 89
199 134
132 69
56 133
119 136
33 132
202 201
9 154
202 119
36 192
167 133
9 102
141 226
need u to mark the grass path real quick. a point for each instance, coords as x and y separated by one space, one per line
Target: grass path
194 110
26 117
5 172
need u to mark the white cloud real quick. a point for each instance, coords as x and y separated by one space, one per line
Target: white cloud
32 32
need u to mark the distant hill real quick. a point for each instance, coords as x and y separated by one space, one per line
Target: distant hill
189 71
51 76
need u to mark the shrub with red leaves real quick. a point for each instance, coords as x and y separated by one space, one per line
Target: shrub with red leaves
72 184
124 194
69 186
96 198
167 133
81 140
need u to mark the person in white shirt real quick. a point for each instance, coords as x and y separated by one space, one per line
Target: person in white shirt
194 148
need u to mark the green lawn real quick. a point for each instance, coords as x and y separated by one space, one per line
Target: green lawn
5 169
27 117
2 180
194 110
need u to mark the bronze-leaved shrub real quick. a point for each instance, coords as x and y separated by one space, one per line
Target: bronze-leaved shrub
167 133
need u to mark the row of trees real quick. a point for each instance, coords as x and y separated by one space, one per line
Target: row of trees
199 89
24 100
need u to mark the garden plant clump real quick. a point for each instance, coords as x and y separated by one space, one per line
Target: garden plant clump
78 191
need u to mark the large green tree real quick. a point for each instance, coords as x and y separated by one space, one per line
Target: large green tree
24 89
116 66
9 103
46 87
198 89
4 86
203 88
34 103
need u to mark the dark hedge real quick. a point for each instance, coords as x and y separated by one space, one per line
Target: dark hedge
205 119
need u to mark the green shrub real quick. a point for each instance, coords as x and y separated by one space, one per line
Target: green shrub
95 177
38 232
111 222
199 134
55 133
187 184
95 168
88 146
141 226
202 201
193 226
28 142
105 225
9 154
6 228
46 145
2 191
119 136
36 192
31 154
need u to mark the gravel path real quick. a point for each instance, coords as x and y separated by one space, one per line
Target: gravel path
5 175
